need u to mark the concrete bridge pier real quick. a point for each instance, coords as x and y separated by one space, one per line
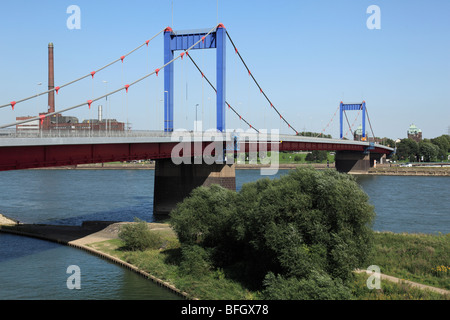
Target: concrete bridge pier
378 158
174 182
352 162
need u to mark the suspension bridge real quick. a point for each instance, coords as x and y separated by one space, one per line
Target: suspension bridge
180 159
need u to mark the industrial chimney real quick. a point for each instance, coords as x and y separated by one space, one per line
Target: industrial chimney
51 79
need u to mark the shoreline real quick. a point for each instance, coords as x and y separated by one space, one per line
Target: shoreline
139 166
386 170
91 232
411 171
80 237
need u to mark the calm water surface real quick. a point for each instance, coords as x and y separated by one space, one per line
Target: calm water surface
409 204
33 269
36 269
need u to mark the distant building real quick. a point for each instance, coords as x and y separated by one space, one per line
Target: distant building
357 135
414 133
59 122
32 126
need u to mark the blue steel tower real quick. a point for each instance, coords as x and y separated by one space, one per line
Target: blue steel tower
183 40
353 106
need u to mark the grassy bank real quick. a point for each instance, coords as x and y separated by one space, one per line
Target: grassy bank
416 257
164 263
420 258
416 170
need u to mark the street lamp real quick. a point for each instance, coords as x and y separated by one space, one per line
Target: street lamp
395 147
106 105
39 90
37 94
195 129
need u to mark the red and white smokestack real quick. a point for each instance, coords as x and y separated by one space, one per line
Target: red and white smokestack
51 79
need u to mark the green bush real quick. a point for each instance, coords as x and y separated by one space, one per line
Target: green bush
315 287
306 220
317 156
205 219
137 236
195 260
306 223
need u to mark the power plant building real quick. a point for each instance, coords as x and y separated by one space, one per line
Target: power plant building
59 122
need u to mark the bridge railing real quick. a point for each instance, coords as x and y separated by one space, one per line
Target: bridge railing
11 133
175 135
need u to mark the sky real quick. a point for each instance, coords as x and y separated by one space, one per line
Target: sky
308 56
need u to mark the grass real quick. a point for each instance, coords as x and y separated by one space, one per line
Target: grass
293 158
415 257
165 265
391 291
290 157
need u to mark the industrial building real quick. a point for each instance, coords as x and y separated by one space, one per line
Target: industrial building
59 122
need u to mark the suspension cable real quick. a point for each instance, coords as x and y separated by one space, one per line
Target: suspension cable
212 86
257 84
89 102
328 124
348 122
356 118
13 103
368 118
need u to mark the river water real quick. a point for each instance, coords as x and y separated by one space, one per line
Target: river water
36 269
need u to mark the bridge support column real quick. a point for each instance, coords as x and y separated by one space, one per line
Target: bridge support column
174 182
378 157
352 162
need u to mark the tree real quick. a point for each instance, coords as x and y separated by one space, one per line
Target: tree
443 142
308 220
317 156
388 142
205 218
314 134
407 149
306 223
428 151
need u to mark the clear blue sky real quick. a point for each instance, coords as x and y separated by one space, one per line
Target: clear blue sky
307 55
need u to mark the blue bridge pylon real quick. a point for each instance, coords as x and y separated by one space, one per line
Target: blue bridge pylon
353 106
183 41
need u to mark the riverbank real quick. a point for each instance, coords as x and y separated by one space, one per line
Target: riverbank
7 221
151 166
410 171
100 238
83 237
379 170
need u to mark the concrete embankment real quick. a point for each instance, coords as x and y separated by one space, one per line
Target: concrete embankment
151 166
91 232
7 221
81 237
379 170
410 171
